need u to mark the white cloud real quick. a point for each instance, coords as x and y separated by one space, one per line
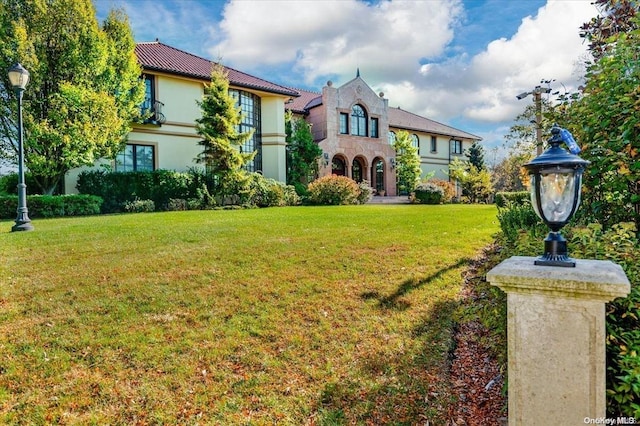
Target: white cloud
386 40
546 46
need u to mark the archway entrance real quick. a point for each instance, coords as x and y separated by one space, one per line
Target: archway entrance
338 166
377 174
357 170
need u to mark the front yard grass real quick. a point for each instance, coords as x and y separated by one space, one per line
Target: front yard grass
316 315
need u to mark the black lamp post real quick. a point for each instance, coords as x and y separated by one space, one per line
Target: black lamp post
19 77
556 180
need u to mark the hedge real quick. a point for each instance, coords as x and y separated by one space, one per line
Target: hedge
517 198
51 205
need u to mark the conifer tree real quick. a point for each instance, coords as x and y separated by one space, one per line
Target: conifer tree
221 144
302 152
476 156
408 169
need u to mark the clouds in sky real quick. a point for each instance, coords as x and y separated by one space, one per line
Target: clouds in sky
402 49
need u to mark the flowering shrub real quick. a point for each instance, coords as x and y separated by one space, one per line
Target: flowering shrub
366 192
448 188
334 190
429 193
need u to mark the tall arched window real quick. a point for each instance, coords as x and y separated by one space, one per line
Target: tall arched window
358 121
250 107
415 141
391 137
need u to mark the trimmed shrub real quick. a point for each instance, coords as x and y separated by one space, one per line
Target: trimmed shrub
333 190
160 186
429 193
51 205
139 206
271 193
515 198
9 184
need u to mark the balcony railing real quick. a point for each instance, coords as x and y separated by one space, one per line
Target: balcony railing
155 114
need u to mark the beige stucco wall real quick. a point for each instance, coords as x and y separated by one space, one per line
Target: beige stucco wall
176 141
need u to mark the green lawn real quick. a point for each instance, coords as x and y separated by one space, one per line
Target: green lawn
316 315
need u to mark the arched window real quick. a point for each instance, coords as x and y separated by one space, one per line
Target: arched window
357 170
392 137
358 121
415 141
338 166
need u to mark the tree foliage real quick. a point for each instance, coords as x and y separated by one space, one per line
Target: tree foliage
616 17
476 155
302 152
221 143
84 89
606 121
475 183
407 162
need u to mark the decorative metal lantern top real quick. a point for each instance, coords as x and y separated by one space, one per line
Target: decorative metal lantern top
19 77
556 181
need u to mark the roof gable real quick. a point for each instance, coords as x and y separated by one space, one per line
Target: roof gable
156 56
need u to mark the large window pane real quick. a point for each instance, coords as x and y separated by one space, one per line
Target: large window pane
251 120
358 121
136 158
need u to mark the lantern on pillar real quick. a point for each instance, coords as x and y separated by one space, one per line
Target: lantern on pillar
556 181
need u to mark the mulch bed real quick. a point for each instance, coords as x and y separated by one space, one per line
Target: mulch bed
476 378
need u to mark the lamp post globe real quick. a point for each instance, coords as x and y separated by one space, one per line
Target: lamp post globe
556 182
19 77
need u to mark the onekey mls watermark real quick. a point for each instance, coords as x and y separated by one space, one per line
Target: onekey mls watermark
610 421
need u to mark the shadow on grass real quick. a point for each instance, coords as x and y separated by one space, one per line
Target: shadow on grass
407 387
395 300
400 387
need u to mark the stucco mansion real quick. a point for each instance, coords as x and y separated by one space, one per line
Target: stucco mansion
352 124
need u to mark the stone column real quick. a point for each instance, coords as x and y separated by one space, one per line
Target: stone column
556 338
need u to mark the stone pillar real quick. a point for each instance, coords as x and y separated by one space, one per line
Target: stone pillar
556 338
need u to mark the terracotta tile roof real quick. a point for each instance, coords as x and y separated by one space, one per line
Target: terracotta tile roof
305 101
156 56
406 120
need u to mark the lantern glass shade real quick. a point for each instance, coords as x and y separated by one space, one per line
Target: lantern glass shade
18 76
559 192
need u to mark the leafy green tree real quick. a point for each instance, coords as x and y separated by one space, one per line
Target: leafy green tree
221 143
606 122
84 89
475 183
407 163
509 175
302 152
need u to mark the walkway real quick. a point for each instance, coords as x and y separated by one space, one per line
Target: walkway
389 200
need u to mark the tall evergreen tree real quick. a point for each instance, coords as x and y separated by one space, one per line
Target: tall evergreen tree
302 152
408 169
476 156
221 143
84 89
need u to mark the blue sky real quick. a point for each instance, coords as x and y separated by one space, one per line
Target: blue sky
460 62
